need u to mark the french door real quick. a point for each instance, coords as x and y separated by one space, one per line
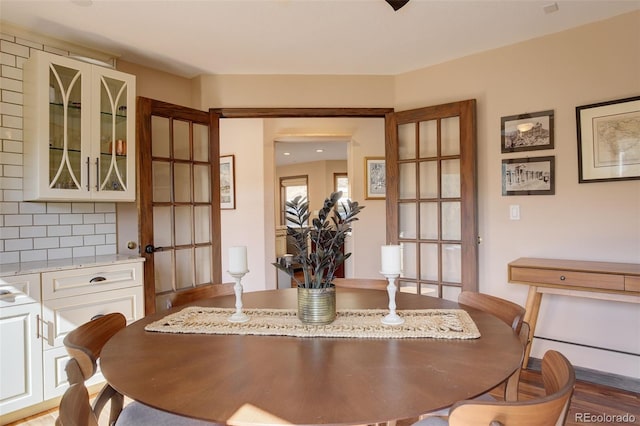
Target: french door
179 201
431 197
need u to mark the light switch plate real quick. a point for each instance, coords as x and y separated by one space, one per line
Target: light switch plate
514 212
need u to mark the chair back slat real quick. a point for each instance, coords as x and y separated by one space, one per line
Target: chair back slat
85 342
551 409
510 313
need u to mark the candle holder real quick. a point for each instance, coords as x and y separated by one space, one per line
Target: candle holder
392 318
238 316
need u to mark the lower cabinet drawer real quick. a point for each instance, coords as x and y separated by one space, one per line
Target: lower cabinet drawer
74 282
567 278
63 315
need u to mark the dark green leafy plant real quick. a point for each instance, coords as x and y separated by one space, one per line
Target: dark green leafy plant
321 258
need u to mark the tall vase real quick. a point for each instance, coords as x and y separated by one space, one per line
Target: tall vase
317 306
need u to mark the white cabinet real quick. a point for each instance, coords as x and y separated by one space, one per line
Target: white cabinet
79 140
32 354
21 349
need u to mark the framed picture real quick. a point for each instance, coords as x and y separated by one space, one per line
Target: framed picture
375 178
227 182
609 140
528 176
527 132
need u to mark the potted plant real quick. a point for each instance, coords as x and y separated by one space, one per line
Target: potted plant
320 253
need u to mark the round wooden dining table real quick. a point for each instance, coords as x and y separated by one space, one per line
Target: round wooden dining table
250 379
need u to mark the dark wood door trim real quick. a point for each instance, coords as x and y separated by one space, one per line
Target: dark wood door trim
300 112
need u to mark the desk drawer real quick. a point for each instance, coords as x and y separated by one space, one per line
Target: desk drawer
632 284
75 282
568 278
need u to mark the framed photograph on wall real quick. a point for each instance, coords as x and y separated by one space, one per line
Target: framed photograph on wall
609 140
527 132
528 176
227 182
375 178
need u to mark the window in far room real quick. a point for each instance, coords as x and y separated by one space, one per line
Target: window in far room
290 188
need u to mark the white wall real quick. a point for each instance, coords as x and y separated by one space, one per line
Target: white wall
590 221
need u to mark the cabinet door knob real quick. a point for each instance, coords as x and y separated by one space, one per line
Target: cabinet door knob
562 278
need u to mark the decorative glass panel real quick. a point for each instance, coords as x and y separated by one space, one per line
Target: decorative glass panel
162 227
200 142
429 221
450 136
407 141
181 140
428 138
183 225
182 183
203 265
428 179
184 268
65 128
202 224
160 137
161 182
407 180
451 263
450 178
429 265
201 181
113 134
163 270
407 220
409 260
451 221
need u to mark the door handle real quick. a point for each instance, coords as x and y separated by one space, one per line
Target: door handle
149 248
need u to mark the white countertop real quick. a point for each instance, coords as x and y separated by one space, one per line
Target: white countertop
62 264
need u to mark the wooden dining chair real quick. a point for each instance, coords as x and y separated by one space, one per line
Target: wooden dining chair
559 380
84 345
511 314
364 283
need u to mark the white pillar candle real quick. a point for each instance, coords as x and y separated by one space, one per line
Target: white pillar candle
237 259
391 263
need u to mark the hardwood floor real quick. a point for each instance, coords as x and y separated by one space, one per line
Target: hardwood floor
588 400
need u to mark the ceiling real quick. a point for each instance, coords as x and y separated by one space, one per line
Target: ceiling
188 38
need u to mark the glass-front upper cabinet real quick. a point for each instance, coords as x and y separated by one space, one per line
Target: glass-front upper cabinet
79 131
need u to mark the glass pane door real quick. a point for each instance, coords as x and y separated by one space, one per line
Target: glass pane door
113 135
435 199
180 211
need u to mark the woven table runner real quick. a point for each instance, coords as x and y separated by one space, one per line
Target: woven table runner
353 323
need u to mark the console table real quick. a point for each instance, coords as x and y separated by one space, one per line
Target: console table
597 280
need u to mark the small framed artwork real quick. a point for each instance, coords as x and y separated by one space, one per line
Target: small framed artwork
528 176
227 182
527 132
609 140
375 178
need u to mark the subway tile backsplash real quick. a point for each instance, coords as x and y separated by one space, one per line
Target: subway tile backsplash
36 230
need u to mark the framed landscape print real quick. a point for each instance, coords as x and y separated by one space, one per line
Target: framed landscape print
528 176
375 178
527 132
609 140
227 182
